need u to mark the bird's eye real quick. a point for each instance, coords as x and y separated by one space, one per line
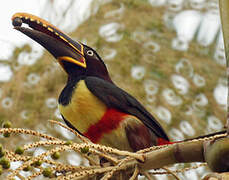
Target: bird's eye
90 52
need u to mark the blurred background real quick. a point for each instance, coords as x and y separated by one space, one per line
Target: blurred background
169 54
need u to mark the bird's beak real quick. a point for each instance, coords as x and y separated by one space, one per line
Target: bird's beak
50 37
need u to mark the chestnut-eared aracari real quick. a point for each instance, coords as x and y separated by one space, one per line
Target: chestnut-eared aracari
90 102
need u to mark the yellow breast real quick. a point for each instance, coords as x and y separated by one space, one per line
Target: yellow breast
84 109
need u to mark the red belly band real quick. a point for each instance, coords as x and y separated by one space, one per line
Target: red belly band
110 121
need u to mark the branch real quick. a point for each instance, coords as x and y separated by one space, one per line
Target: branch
184 152
120 163
217 155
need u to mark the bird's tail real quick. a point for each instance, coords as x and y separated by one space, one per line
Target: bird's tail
207 135
164 142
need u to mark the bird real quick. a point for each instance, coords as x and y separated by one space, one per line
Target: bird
91 103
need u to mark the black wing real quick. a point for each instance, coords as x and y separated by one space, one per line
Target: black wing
114 97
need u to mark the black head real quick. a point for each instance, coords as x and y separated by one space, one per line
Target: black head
75 58
94 65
